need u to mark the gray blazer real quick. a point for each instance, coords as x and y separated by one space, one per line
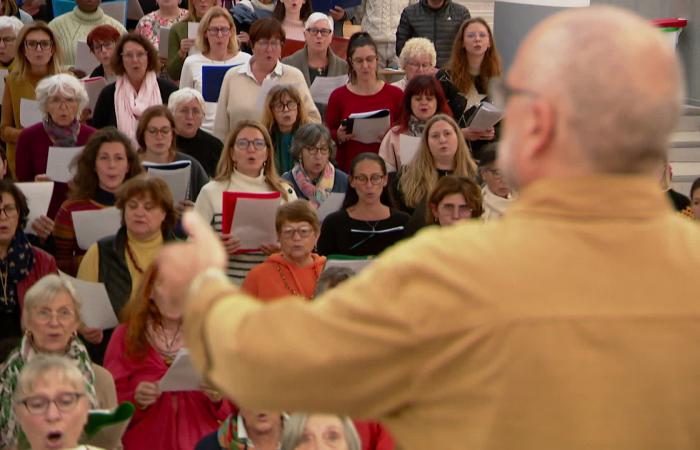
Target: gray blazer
300 60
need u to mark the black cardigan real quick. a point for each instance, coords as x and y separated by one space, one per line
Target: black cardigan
105 115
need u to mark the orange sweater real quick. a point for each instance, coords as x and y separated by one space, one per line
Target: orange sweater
277 277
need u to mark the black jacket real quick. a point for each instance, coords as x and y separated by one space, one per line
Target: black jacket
438 25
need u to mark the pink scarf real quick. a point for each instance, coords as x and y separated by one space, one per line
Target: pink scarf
129 104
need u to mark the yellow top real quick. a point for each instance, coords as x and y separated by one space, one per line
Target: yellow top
570 324
16 88
145 252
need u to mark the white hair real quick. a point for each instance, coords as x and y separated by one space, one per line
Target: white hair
63 84
315 17
42 365
45 290
416 47
184 95
11 22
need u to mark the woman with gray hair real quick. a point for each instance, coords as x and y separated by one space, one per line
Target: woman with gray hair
50 318
9 29
319 431
188 108
61 99
417 57
313 176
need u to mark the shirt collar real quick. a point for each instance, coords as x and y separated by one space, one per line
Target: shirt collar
277 72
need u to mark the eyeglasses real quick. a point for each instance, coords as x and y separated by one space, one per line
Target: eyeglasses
472 35
219 31
9 210
65 402
322 31
316 150
42 45
274 43
422 66
374 179
369 60
303 232
63 315
101 46
244 144
279 106
500 92
59 101
135 55
163 131
194 112
449 209
7 40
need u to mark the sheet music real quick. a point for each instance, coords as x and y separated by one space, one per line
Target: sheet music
322 87
58 166
38 199
96 311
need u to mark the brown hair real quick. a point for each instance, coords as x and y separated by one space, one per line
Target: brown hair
159 193
458 65
117 61
226 166
280 10
151 113
357 40
22 64
214 12
266 28
138 311
192 12
275 95
10 7
297 211
85 182
450 184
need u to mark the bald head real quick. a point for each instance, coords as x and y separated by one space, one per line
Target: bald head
614 83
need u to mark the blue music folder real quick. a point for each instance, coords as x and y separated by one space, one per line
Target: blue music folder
326 5
212 79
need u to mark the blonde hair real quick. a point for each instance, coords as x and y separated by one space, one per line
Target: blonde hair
420 176
44 291
415 47
22 65
226 165
275 94
202 43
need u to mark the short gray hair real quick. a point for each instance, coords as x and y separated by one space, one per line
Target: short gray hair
38 367
45 290
315 17
11 22
64 84
308 135
184 95
294 430
416 47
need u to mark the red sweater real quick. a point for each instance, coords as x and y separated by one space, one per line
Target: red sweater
33 154
342 103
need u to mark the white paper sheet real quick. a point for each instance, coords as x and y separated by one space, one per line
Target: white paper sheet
38 199
254 222
354 264
91 226
181 376
94 86
331 204
115 9
3 74
408 147
29 112
58 166
84 59
163 36
369 131
486 117
322 87
192 28
178 180
96 310
134 10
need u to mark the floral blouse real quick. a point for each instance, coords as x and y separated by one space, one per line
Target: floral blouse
150 24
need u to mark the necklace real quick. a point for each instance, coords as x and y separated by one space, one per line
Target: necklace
132 258
372 225
3 279
286 283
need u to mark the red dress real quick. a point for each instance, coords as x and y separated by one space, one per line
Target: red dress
177 420
342 103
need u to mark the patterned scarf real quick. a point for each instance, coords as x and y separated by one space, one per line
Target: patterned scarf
62 136
315 192
228 435
10 432
17 265
415 126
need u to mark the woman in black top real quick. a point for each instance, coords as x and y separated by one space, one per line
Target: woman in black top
366 225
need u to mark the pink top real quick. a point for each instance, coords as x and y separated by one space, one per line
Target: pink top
177 420
342 103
